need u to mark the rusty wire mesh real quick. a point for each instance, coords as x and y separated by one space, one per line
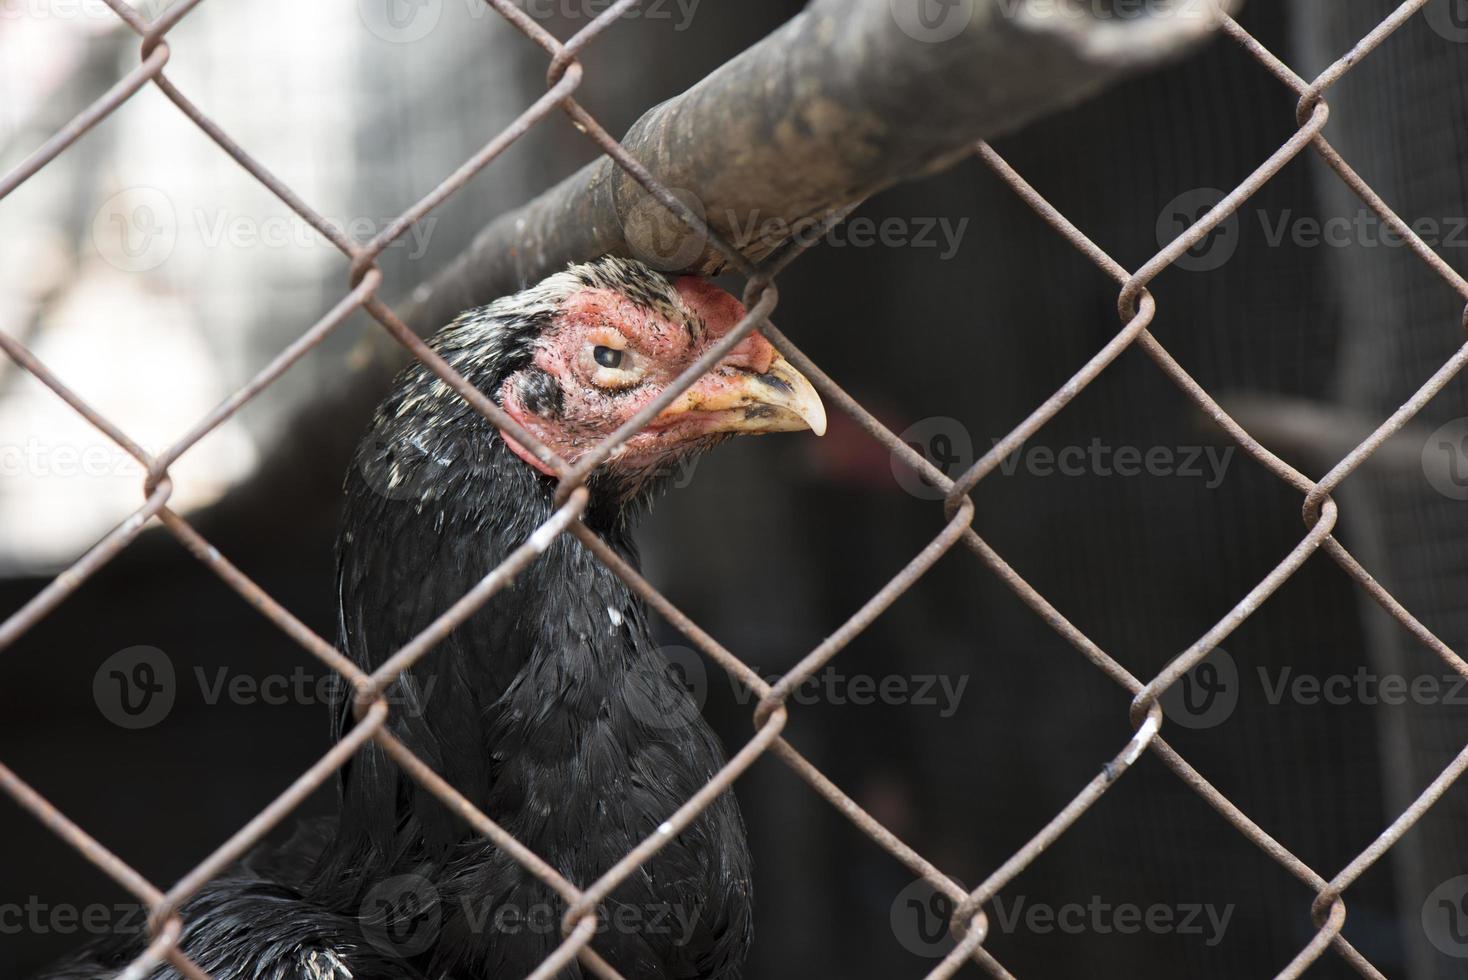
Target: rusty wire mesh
1137 310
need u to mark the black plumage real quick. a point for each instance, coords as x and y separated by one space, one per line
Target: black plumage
550 708
542 710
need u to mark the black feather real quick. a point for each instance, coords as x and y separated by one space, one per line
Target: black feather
550 708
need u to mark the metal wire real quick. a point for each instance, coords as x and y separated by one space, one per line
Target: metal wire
1137 310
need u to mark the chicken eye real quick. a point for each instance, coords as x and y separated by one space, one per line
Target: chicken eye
607 357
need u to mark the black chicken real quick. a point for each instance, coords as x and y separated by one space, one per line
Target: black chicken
551 708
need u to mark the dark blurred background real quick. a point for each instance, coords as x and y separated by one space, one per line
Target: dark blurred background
774 543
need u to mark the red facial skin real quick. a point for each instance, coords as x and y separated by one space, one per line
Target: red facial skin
657 348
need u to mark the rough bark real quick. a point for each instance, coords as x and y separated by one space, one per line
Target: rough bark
848 98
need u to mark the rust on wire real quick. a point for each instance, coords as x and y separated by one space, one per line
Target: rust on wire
1138 313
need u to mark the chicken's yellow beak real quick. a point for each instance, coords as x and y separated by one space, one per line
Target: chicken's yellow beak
746 402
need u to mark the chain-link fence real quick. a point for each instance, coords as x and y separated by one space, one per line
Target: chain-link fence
1137 310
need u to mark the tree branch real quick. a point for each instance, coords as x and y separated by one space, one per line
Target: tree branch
848 98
